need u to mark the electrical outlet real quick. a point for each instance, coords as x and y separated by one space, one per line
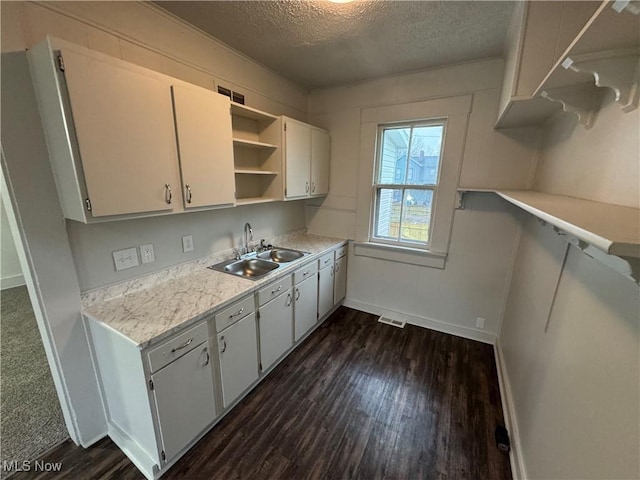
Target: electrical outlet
146 253
127 258
480 322
187 243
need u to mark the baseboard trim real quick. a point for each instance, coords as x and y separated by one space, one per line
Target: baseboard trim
425 322
12 281
518 471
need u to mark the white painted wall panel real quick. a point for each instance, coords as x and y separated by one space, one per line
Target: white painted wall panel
576 387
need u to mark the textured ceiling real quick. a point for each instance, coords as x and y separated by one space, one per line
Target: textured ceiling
319 43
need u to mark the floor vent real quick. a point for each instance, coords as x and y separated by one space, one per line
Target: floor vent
393 323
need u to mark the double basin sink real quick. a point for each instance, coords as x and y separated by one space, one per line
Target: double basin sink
257 265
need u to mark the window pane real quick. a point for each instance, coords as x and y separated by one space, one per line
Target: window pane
388 214
416 215
393 155
426 146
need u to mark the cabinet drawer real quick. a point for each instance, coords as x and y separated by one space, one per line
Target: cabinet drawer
273 290
325 260
177 346
341 251
305 272
235 312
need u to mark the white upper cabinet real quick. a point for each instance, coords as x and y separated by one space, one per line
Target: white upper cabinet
205 147
297 147
109 132
320 160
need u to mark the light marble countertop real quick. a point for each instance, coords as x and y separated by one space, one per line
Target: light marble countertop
152 308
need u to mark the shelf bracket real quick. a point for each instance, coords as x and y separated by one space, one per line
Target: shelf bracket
460 198
582 101
617 70
627 266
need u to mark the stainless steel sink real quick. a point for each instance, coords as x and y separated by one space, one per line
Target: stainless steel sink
251 268
281 255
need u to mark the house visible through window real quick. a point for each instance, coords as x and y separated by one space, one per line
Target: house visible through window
406 182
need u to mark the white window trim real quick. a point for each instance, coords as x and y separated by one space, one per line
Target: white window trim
456 112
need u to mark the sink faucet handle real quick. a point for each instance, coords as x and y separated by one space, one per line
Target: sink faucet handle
236 254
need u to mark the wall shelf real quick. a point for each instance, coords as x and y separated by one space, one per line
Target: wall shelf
604 53
240 110
241 171
254 200
241 142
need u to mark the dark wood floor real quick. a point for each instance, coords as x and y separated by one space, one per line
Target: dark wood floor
359 399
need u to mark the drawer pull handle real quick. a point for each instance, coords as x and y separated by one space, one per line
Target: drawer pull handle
273 292
208 357
288 299
327 261
224 345
297 294
305 273
184 345
239 312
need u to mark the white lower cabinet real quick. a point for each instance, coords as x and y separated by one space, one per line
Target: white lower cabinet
325 290
340 279
184 398
306 305
276 328
238 353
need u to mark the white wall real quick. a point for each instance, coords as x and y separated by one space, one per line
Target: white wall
212 231
143 34
574 387
474 281
11 273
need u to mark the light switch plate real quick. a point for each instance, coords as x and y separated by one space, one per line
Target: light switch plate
480 322
187 243
146 253
127 258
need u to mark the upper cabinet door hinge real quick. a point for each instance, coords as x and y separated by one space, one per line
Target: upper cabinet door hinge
87 202
61 63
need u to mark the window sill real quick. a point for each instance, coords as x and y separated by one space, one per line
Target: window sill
411 256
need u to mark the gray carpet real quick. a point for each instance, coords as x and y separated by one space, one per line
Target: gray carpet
31 421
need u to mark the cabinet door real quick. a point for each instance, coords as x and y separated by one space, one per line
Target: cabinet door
205 146
325 290
340 280
320 160
238 347
297 158
184 397
306 306
276 328
123 123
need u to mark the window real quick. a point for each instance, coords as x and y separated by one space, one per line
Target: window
406 181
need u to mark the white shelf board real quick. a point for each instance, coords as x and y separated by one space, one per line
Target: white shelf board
252 113
614 229
247 171
250 201
241 142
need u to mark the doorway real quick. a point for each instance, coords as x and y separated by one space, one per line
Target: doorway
31 420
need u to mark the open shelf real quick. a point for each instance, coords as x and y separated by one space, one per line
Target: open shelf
614 229
252 200
246 171
241 142
240 110
605 53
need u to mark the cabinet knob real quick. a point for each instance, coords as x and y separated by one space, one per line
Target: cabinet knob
167 193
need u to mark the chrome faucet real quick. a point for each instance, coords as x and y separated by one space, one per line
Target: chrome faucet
248 236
